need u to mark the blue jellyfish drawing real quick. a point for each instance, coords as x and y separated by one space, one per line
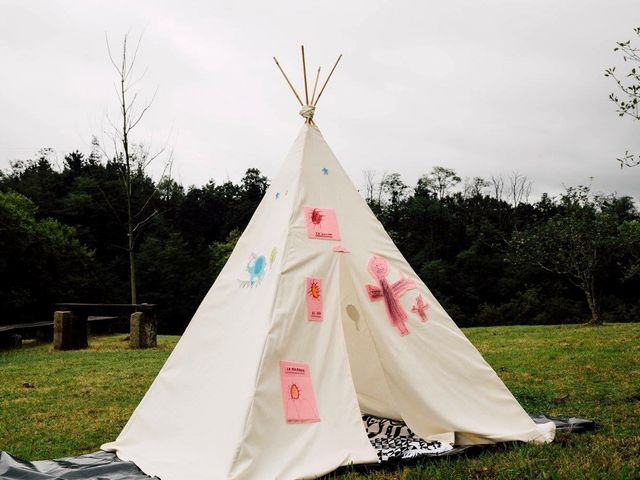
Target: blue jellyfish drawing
256 268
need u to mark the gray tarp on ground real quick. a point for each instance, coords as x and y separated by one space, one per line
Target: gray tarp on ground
107 466
94 466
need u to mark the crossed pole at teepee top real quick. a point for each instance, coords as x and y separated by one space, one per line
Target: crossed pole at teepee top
308 107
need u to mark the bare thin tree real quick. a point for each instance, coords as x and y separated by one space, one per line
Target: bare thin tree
518 188
369 185
131 160
497 186
380 188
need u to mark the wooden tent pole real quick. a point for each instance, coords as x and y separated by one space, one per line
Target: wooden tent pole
287 79
315 85
304 72
327 80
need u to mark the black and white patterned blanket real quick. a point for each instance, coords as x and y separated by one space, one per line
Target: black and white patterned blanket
393 440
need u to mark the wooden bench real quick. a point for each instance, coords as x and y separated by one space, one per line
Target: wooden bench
11 335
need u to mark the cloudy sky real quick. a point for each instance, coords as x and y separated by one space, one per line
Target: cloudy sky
486 88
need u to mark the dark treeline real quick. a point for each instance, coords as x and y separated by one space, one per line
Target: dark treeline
489 255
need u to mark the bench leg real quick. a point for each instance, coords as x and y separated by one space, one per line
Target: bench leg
143 330
69 331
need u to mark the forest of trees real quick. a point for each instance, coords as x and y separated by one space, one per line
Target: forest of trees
489 254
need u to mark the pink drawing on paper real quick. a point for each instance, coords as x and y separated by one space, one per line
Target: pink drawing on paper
316 217
341 249
321 223
420 308
313 294
298 399
390 294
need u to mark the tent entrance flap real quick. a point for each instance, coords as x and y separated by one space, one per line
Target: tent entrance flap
374 396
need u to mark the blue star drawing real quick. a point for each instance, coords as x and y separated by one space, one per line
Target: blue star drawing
277 195
325 171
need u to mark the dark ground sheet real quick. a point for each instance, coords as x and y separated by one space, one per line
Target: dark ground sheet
392 439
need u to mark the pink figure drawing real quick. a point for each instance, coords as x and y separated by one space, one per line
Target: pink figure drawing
420 308
379 268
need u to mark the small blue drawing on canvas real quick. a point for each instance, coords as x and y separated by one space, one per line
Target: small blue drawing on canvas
256 267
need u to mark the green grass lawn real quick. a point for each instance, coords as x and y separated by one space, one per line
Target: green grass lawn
55 404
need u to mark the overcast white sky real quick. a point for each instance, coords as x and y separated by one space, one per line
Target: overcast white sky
485 87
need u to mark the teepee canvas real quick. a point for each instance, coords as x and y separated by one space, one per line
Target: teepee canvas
315 321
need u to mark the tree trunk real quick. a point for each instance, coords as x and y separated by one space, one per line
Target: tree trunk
129 193
131 244
130 248
594 305
132 272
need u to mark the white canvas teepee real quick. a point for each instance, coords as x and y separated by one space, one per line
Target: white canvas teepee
315 320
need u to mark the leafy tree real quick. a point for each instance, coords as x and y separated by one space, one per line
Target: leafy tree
475 187
41 260
393 186
175 277
628 83
630 239
441 180
254 185
219 253
578 243
37 179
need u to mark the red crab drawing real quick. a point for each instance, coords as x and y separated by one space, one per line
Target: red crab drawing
316 217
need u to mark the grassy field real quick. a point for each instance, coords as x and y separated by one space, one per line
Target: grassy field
55 404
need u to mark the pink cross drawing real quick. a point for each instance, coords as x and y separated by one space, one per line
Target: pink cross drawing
379 268
420 307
